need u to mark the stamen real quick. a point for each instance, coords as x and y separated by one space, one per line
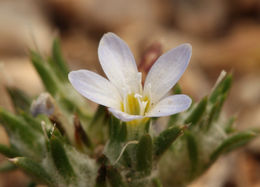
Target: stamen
143 107
135 104
138 95
139 99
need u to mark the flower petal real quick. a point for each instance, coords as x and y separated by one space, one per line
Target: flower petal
166 71
119 64
124 116
95 87
170 105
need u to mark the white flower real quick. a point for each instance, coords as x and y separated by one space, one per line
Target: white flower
123 93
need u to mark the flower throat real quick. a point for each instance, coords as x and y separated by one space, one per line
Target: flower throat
135 104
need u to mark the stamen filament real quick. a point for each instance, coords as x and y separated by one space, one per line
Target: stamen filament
135 104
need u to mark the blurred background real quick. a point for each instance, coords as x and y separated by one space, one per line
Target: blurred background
225 34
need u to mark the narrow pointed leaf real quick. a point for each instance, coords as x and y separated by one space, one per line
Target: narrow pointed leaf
59 64
75 105
10 121
14 124
114 177
229 125
99 115
80 134
192 151
18 130
127 160
222 88
157 182
117 144
7 166
33 169
177 89
220 104
115 128
197 112
227 83
19 99
32 122
7 151
164 140
60 159
45 73
173 120
215 111
122 133
144 154
233 142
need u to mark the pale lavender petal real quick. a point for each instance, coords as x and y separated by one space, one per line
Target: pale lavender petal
95 87
119 64
124 116
166 71
170 105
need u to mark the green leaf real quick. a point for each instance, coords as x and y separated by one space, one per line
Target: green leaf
144 154
7 166
117 130
60 159
46 74
157 182
164 140
19 131
177 89
20 100
100 115
192 151
215 111
31 121
114 149
58 63
127 160
229 125
33 169
81 137
197 112
114 125
233 142
222 88
226 85
7 151
219 106
98 125
114 177
72 105
122 133
11 122
172 120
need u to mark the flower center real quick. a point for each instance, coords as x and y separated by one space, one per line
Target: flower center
135 104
